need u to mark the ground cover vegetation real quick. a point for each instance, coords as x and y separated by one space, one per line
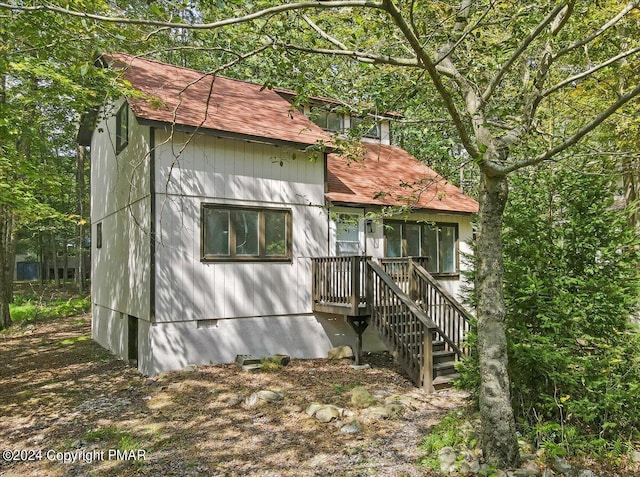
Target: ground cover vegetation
498 87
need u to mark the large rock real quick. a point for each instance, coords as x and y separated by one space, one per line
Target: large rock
340 352
264 397
328 413
447 457
352 427
361 398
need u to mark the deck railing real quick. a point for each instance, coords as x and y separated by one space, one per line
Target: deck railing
340 282
401 325
398 268
446 312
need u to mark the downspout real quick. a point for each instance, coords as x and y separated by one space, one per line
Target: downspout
152 225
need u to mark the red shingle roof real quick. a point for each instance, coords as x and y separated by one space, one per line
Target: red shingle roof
179 95
390 176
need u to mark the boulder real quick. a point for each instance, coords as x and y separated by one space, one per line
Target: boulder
361 398
328 413
264 397
352 427
447 457
340 352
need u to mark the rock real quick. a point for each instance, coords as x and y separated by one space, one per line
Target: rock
189 367
360 367
587 473
377 413
525 473
548 473
252 368
560 465
340 352
361 398
351 428
470 464
280 359
312 408
327 413
264 397
447 457
244 359
635 457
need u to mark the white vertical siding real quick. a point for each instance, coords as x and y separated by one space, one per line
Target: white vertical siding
226 171
120 201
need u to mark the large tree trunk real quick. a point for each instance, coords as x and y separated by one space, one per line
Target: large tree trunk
499 440
7 263
80 192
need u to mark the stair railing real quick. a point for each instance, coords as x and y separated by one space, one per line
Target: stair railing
340 281
401 325
445 311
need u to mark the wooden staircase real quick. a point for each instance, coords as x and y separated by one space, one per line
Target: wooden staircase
421 324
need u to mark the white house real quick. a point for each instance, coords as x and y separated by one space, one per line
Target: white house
212 196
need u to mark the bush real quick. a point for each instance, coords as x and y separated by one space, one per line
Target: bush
571 284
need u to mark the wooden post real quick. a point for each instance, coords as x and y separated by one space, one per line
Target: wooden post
427 361
413 283
355 284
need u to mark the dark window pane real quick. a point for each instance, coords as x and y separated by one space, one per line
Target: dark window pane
245 226
448 246
394 240
216 232
275 233
430 246
412 237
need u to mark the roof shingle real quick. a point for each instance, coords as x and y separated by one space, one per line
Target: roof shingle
187 97
389 176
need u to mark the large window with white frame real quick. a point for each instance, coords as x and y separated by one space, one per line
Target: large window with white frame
231 233
328 120
437 241
348 234
122 128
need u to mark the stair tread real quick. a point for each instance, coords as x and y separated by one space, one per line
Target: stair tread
445 379
445 365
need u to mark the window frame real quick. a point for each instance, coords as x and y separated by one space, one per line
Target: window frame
438 225
320 116
232 256
99 235
122 124
376 126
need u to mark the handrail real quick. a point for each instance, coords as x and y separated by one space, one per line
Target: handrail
402 325
449 315
340 281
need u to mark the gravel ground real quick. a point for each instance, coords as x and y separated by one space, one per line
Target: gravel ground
64 399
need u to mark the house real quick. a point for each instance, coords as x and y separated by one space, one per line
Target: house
213 202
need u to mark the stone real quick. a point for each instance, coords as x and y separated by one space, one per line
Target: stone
360 367
548 473
312 408
252 368
264 397
376 413
587 473
560 465
340 352
525 473
470 464
635 457
352 427
244 359
361 398
280 359
447 457
188 368
327 413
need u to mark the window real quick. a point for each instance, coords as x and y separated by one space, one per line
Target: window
438 242
245 233
348 235
328 120
99 235
373 132
122 128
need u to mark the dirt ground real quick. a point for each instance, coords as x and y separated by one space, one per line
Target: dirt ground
68 408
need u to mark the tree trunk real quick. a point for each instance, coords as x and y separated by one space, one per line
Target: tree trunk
499 440
7 263
80 192
54 259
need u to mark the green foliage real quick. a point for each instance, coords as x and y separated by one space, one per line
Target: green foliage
454 430
27 310
571 284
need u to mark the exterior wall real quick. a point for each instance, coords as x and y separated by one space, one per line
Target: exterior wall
374 241
208 312
120 202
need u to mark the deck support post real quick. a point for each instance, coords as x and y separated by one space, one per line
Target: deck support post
427 361
359 324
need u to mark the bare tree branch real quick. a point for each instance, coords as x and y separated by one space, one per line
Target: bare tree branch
430 66
200 26
590 71
630 6
497 79
324 34
578 135
361 56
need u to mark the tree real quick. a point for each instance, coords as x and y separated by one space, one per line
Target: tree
500 71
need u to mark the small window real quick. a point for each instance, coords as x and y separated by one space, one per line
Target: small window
122 128
348 235
99 235
328 120
373 132
245 233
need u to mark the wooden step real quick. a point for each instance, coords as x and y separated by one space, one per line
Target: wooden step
444 382
443 369
442 356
